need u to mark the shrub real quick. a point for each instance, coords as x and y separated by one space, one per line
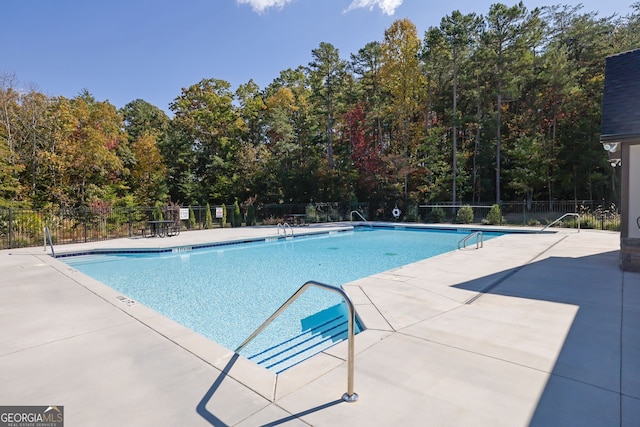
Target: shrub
465 215
157 213
334 214
495 216
411 215
272 221
438 214
236 219
532 222
311 213
208 221
251 215
224 215
192 218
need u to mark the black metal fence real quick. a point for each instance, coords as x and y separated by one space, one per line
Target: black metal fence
593 214
25 227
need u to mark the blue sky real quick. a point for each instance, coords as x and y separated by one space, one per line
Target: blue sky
121 50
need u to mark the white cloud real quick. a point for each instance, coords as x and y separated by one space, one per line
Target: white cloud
387 6
262 5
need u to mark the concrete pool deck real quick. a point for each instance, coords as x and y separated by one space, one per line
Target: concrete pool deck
532 329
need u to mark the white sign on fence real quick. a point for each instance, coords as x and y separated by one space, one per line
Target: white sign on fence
184 213
218 212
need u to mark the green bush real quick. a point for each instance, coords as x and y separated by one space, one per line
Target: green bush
251 215
192 218
237 215
224 215
157 213
494 217
438 214
411 215
208 221
532 222
334 214
465 215
311 213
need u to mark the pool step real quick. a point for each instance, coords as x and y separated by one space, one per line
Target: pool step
292 351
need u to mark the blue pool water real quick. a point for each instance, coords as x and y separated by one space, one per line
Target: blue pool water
226 292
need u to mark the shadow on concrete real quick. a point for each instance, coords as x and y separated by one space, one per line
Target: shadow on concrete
217 422
585 383
201 408
303 413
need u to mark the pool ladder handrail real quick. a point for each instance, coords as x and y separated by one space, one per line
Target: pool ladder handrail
284 228
47 238
361 217
479 240
350 395
560 219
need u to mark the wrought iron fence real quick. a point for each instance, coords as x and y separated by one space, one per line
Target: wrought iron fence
593 214
25 227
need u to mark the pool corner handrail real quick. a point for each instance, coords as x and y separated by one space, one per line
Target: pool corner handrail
47 237
479 240
560 219
350 395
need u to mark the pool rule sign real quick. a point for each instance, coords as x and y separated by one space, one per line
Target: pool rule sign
32 416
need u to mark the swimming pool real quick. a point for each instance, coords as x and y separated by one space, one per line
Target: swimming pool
225 292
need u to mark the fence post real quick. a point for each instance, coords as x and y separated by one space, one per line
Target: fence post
84 222
10 231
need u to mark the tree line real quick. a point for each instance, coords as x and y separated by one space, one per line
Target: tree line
480 109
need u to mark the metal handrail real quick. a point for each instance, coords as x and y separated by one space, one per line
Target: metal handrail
560 219
360 215
47 236
357 213
350 395
479 240
284 228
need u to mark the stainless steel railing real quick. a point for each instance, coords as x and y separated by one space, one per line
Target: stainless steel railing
350 395
284 228
479 240
357 213
47 236
560 219
360 215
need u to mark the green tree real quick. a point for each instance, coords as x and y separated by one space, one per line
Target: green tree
140 118
326 73
9 183
148 181
458 31
295 149
508 39
403 81
206 121
367 64
85 160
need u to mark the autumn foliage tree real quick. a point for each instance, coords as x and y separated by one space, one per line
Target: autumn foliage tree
482 108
